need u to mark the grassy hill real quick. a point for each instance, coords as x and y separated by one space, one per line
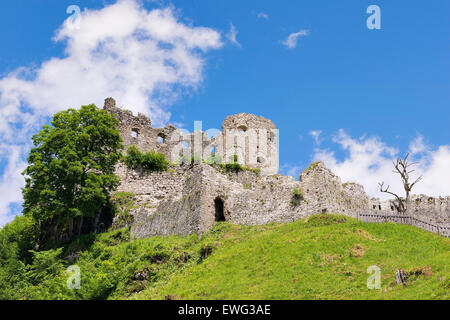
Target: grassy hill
323 257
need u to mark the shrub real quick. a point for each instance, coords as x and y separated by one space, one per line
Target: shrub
233 167
45 264
297 197
123 203
149 161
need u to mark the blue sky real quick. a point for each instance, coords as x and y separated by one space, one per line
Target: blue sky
352 97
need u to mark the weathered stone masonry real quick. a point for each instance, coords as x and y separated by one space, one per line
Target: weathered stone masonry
189 198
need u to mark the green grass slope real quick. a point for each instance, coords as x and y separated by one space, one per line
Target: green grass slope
323 257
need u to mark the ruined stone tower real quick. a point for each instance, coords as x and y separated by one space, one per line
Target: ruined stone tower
251 139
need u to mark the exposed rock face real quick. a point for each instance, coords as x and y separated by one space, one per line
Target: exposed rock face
189 198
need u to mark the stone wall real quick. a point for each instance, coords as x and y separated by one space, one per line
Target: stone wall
433 209
182 200
137 131
168 202
325 192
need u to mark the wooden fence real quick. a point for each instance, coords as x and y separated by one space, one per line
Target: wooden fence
443 230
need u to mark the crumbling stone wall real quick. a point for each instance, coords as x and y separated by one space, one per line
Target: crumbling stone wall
137 131
182 200
326 193
167 202
253 139
433 209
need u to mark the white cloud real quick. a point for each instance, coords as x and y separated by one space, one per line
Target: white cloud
369 161
315 134
11 181
144 59
233 34
292 39
417 145
262 15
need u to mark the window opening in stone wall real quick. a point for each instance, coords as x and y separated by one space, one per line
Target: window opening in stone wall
134 133
272 137
243 129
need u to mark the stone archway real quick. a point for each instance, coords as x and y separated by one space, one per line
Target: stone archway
219 209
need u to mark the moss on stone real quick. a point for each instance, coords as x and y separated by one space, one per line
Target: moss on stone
312 166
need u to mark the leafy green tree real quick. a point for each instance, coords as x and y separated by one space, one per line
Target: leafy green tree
71 170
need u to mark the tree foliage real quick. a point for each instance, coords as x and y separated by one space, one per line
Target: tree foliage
16 241
71 169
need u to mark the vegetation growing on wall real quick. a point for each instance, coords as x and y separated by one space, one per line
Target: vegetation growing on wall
312 166
235 167
297 197
123 203
149 161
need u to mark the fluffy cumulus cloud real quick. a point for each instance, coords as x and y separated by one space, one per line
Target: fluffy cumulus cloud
292 39
144 59
369 161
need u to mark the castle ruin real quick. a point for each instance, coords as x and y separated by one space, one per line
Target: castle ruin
190 197
253 140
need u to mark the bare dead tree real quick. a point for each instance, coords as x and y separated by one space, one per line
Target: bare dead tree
402 167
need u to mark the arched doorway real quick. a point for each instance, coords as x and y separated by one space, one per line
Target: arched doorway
218 205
